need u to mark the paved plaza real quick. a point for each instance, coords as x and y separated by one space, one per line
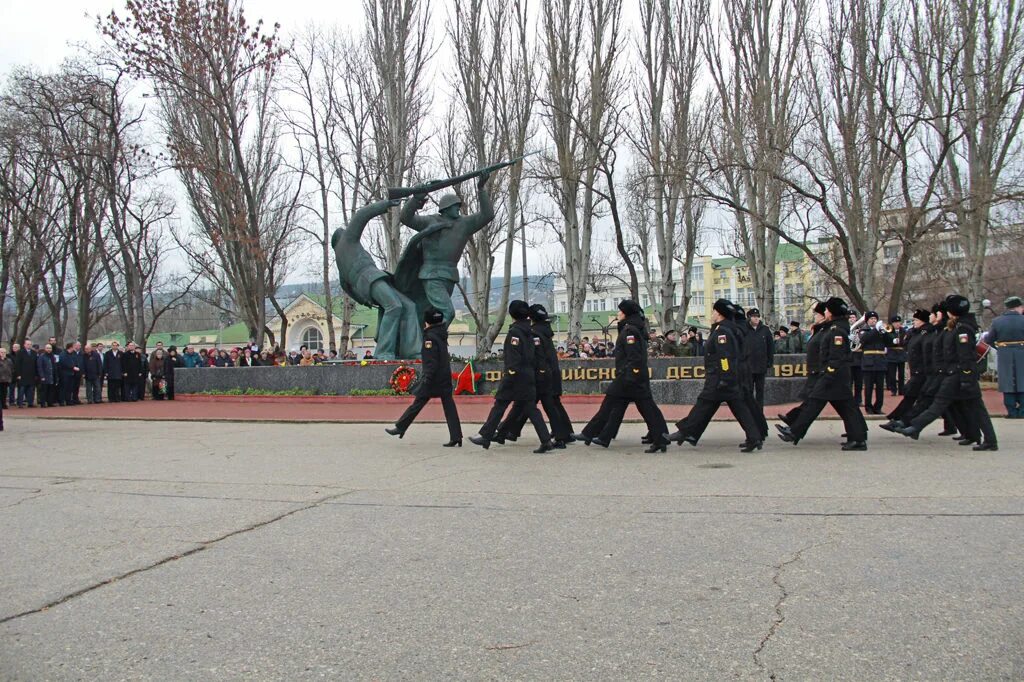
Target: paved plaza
187 551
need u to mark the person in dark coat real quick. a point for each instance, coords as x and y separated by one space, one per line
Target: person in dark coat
68 366
157 365
743 330
26 374
46 370
93 370
913 345
960 387
874 366
933 351
518 386
831 360
113 371
797 341
435 382
1007 335
759 352
810 348
172 362
131 365
723 383
549 385
896 356
632 384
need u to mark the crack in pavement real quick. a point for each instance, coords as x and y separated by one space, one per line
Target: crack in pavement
38 494
206 544
780 618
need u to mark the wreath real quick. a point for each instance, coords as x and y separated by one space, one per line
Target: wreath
402 379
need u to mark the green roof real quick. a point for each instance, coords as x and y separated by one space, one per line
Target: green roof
784 253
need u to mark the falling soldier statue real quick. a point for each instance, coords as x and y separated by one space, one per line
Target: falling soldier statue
398 331
432 256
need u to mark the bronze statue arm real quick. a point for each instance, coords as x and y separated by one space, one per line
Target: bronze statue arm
485 215
362 217
408 216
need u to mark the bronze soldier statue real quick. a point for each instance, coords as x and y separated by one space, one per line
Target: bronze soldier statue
429 267
398 329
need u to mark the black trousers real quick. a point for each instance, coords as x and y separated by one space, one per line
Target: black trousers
857 380
756 406
115 389
853 420
874 389
759 389
695 423
609 417
528 407
561 426
894 378
977 414
68 396
451 415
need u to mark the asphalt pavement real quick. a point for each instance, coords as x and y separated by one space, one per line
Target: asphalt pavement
176 550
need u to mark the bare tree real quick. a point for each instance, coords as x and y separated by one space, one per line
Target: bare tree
581 41
969 58
495 85
755 60
214 75
669 137
398 41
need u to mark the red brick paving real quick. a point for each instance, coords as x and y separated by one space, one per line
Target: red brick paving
472 409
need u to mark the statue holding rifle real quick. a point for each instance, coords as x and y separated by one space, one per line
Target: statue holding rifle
428 268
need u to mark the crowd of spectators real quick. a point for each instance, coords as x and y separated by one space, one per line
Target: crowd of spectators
47 375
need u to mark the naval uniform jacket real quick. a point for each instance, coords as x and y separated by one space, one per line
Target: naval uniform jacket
873 345
518 383
915 351
632 380
967 366
437 364
836 359
897 346
550 355
722 353
815 366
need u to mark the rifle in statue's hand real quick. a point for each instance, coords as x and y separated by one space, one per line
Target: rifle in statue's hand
434 185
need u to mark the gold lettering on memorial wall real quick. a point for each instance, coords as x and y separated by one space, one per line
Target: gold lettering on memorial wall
493 375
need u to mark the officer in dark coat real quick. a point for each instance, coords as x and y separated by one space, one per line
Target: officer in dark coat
812 349
93 370
873 364
68 366
46 370
113 370
172 361
26 374
1007 335
131 366
549 385
896 356
518 385
759 352
632 384
960 386
436 380
722 383
831 361
934 350
913 346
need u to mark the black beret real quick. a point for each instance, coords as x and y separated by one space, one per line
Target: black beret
837 306
723 307
819 307
670 331
921 314
895 318
957 305
539 313
784 330
519 310
738 313
753 312
1013 302
794 323
630 307
433 316
870 314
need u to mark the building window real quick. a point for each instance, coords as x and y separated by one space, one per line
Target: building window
891 252
564 307
952 247
646 300
697 273
313 338
698 299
